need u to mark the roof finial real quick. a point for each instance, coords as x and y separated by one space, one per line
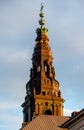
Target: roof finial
42 29
42 21
42 6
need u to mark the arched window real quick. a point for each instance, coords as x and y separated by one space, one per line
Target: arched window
45 68
47 93
48 112
43 93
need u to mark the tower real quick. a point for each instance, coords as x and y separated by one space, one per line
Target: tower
43 95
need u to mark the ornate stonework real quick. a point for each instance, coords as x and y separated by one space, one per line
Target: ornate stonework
43 93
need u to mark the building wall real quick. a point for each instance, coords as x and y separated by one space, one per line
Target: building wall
78 125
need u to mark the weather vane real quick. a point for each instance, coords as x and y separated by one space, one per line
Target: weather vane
42 6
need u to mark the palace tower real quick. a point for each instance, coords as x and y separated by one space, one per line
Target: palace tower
43 94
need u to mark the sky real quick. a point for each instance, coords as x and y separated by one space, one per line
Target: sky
18 23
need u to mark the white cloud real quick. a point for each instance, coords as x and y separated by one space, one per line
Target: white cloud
67 112
10 121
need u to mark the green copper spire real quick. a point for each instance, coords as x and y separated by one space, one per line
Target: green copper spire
42 21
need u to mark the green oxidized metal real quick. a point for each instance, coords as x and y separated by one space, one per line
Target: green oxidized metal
42 29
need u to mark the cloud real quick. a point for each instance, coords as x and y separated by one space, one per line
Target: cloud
67 112
10 121
10 115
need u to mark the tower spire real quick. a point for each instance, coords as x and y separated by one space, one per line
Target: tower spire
42 21
43 94
42 29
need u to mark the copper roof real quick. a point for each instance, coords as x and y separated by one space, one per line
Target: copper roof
46 122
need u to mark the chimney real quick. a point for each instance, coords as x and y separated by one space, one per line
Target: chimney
74 113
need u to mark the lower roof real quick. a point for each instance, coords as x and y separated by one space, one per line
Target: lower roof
46 122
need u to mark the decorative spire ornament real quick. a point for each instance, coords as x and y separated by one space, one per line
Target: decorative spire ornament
42 21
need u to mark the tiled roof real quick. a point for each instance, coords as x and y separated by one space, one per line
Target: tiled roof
46 122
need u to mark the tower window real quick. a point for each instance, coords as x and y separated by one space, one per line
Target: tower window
45 68
48 112
38 68
47 93
43 93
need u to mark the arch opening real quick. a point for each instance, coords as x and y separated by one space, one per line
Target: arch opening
48 112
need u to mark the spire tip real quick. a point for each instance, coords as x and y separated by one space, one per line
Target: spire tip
42 6
42 21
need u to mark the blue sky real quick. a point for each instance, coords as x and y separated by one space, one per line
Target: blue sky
18 23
